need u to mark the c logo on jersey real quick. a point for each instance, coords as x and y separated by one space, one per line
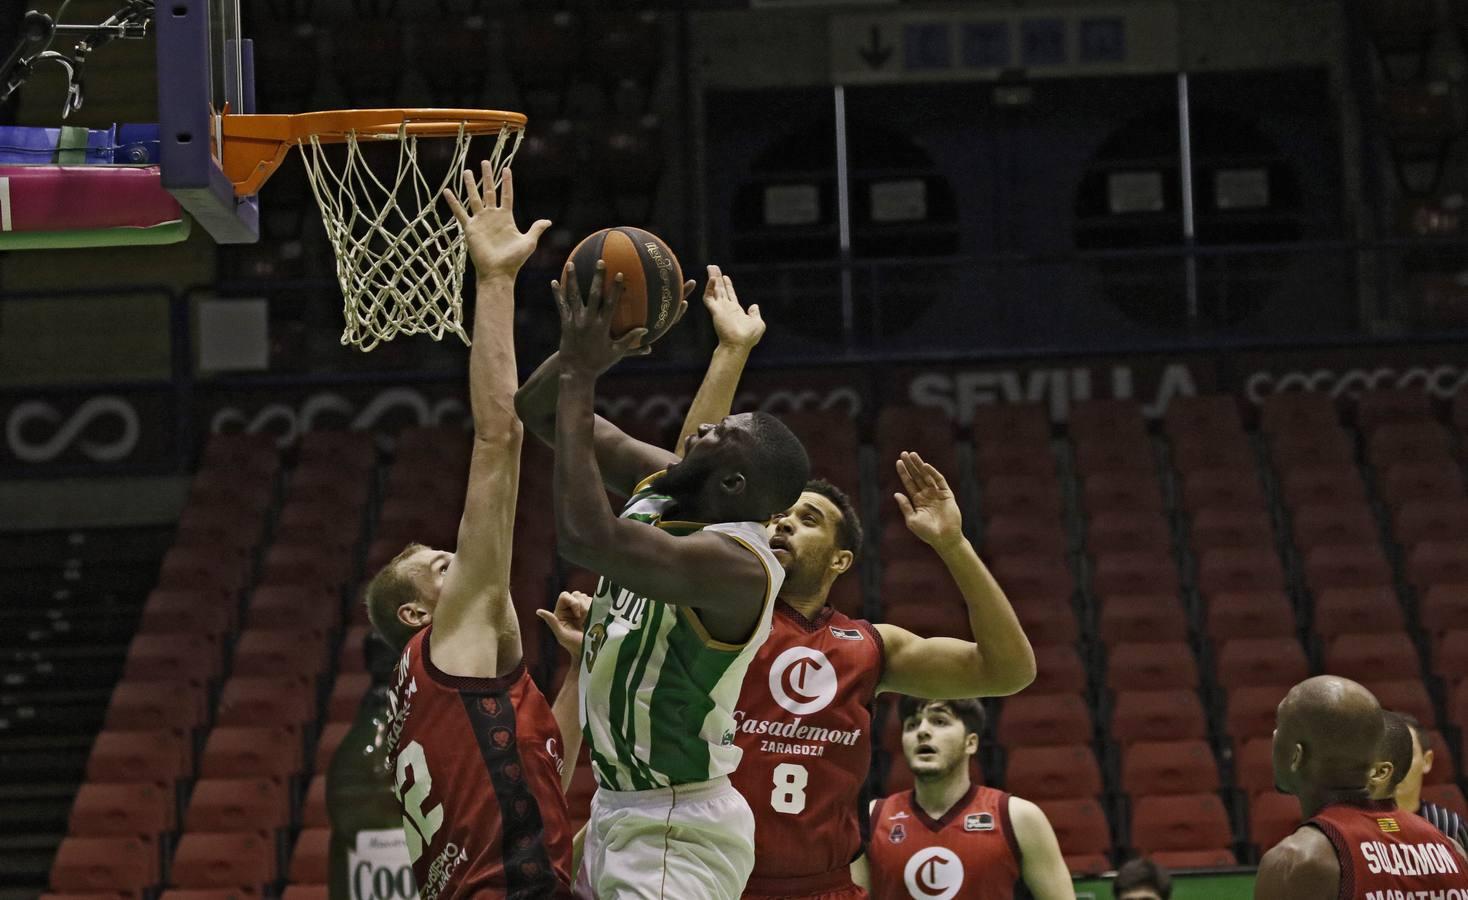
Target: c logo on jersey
933 874
803 681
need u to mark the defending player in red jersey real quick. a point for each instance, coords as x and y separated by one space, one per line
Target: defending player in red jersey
1327 739
480 754
951 839
805 710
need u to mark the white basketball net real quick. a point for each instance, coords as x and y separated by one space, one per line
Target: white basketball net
399 251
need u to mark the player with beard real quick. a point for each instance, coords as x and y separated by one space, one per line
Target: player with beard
1327 745
949 837
688 584
805 713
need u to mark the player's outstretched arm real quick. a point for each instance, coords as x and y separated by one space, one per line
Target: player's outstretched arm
473 604
738 331
999 661
1041 864
712 569
1303 866
568 624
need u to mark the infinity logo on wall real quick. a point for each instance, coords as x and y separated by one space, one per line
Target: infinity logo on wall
25 416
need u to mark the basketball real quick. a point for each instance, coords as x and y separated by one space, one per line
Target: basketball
652 278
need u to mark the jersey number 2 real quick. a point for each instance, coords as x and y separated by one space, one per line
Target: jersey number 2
789 794
418 827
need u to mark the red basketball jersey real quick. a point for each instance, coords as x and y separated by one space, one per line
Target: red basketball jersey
1389 854
969 854
478 774
804 724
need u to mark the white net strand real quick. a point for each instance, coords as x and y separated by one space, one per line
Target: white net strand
400 261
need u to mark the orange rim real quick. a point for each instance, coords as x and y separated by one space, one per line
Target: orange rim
254 146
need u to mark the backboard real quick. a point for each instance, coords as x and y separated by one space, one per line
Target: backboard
205 66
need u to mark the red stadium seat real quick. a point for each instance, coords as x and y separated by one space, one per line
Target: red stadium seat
1229 570
235 860
1404 694
1431 520
349 451
1384 406
1142 618
249 496
1366 656
996 459
1214 529
1223 489
1318 524
1448 795
1106 418
1011 423
350 658
1168 767
1450 655
1007 534
239 452
920 429
94 864
1209 415
313 808
1122 454
1176 860
1249 614
207 568
201 526
1184 822
1052 773
265 700
1254 765
1045 720
309 859
331 738
1122 490
1143 666
151 705
238 804
1080 825
1346 566
1310 484
1408 442
295 651
1084 865
1443 607
1297 411
304 565
1250 711
898 778
141 809
162 755
1135 573
307 891
1364 610
1199 452
233 752
1405 482
1030 495
1128 532
1165 715
347 693
1438 562
1047 619
1272 818
1024 576
163 657
294 606
1059 670
1330 446
1261 661
187 613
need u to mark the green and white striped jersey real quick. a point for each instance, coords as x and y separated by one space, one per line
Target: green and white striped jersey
657 692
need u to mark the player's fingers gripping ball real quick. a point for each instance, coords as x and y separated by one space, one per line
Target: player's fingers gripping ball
652 289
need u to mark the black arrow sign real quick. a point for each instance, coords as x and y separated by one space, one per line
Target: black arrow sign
876 54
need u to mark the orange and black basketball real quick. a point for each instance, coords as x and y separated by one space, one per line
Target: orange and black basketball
652 278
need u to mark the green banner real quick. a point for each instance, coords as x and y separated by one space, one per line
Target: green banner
1212 886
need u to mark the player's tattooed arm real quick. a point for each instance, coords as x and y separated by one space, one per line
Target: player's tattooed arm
1042 866
568 623
738 330
712 570
475 594
1303 866
999 660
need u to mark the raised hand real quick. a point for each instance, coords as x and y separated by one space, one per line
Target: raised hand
495 244
586 326
568 621
929 507
736 327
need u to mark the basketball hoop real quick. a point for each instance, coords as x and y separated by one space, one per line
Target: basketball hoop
399 259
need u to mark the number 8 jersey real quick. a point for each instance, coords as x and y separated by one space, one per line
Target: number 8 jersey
804 723
478 765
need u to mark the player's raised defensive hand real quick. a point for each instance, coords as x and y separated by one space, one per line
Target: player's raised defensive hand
568 621
495 244
587 345
929 506
736 327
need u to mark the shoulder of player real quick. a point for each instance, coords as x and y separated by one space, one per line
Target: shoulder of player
1302 860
